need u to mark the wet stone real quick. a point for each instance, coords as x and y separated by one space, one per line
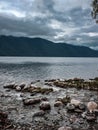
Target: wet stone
96 112
22 85
31 101
70 107
44 99
10 86
58 104
78 110
40 113
18 88
75 102
90 117
82 106
91 106
45 106
65 128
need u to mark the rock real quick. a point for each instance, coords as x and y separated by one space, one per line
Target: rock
66 100
22 95
18 88
3 115
65 128
22 85
3 118
78 110
96 112
34 90
75 102
82 106
40 113
73 118
91 106
70 107
44 99
49 84
90 116
45 106
46 90
10 86
31 101
84 114
58 104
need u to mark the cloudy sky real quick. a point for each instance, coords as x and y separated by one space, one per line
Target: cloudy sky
57 20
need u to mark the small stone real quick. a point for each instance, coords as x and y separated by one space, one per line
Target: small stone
10 86
96 112
73 118
31 101
22 85
44 99
82 106
90 116
66 100
91 106
70 107
58 104
18 88
65 128
45 106
75 102
83 114
40 113
78 110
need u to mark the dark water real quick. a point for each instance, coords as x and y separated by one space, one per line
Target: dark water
27 69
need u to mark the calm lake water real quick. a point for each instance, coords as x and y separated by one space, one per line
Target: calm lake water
27 69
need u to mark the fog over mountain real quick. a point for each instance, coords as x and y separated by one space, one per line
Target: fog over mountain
56 20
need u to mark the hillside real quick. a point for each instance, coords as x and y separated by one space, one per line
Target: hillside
22 46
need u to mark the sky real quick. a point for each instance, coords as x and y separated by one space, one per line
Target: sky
67 21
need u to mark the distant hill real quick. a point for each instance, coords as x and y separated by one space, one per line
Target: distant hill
22 46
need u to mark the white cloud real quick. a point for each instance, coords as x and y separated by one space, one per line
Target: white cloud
91 34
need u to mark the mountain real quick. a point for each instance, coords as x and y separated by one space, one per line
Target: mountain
22 46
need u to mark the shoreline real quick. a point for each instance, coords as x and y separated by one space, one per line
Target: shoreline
48 105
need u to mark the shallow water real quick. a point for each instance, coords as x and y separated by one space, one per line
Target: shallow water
27 69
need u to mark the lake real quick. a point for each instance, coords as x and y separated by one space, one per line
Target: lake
27 69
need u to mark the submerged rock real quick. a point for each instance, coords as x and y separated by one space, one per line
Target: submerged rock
45 106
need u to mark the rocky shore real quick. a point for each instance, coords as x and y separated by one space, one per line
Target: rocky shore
50 105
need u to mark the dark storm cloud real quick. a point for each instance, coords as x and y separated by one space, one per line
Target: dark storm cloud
58 20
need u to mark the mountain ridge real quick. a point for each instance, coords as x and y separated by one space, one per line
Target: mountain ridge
39 47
